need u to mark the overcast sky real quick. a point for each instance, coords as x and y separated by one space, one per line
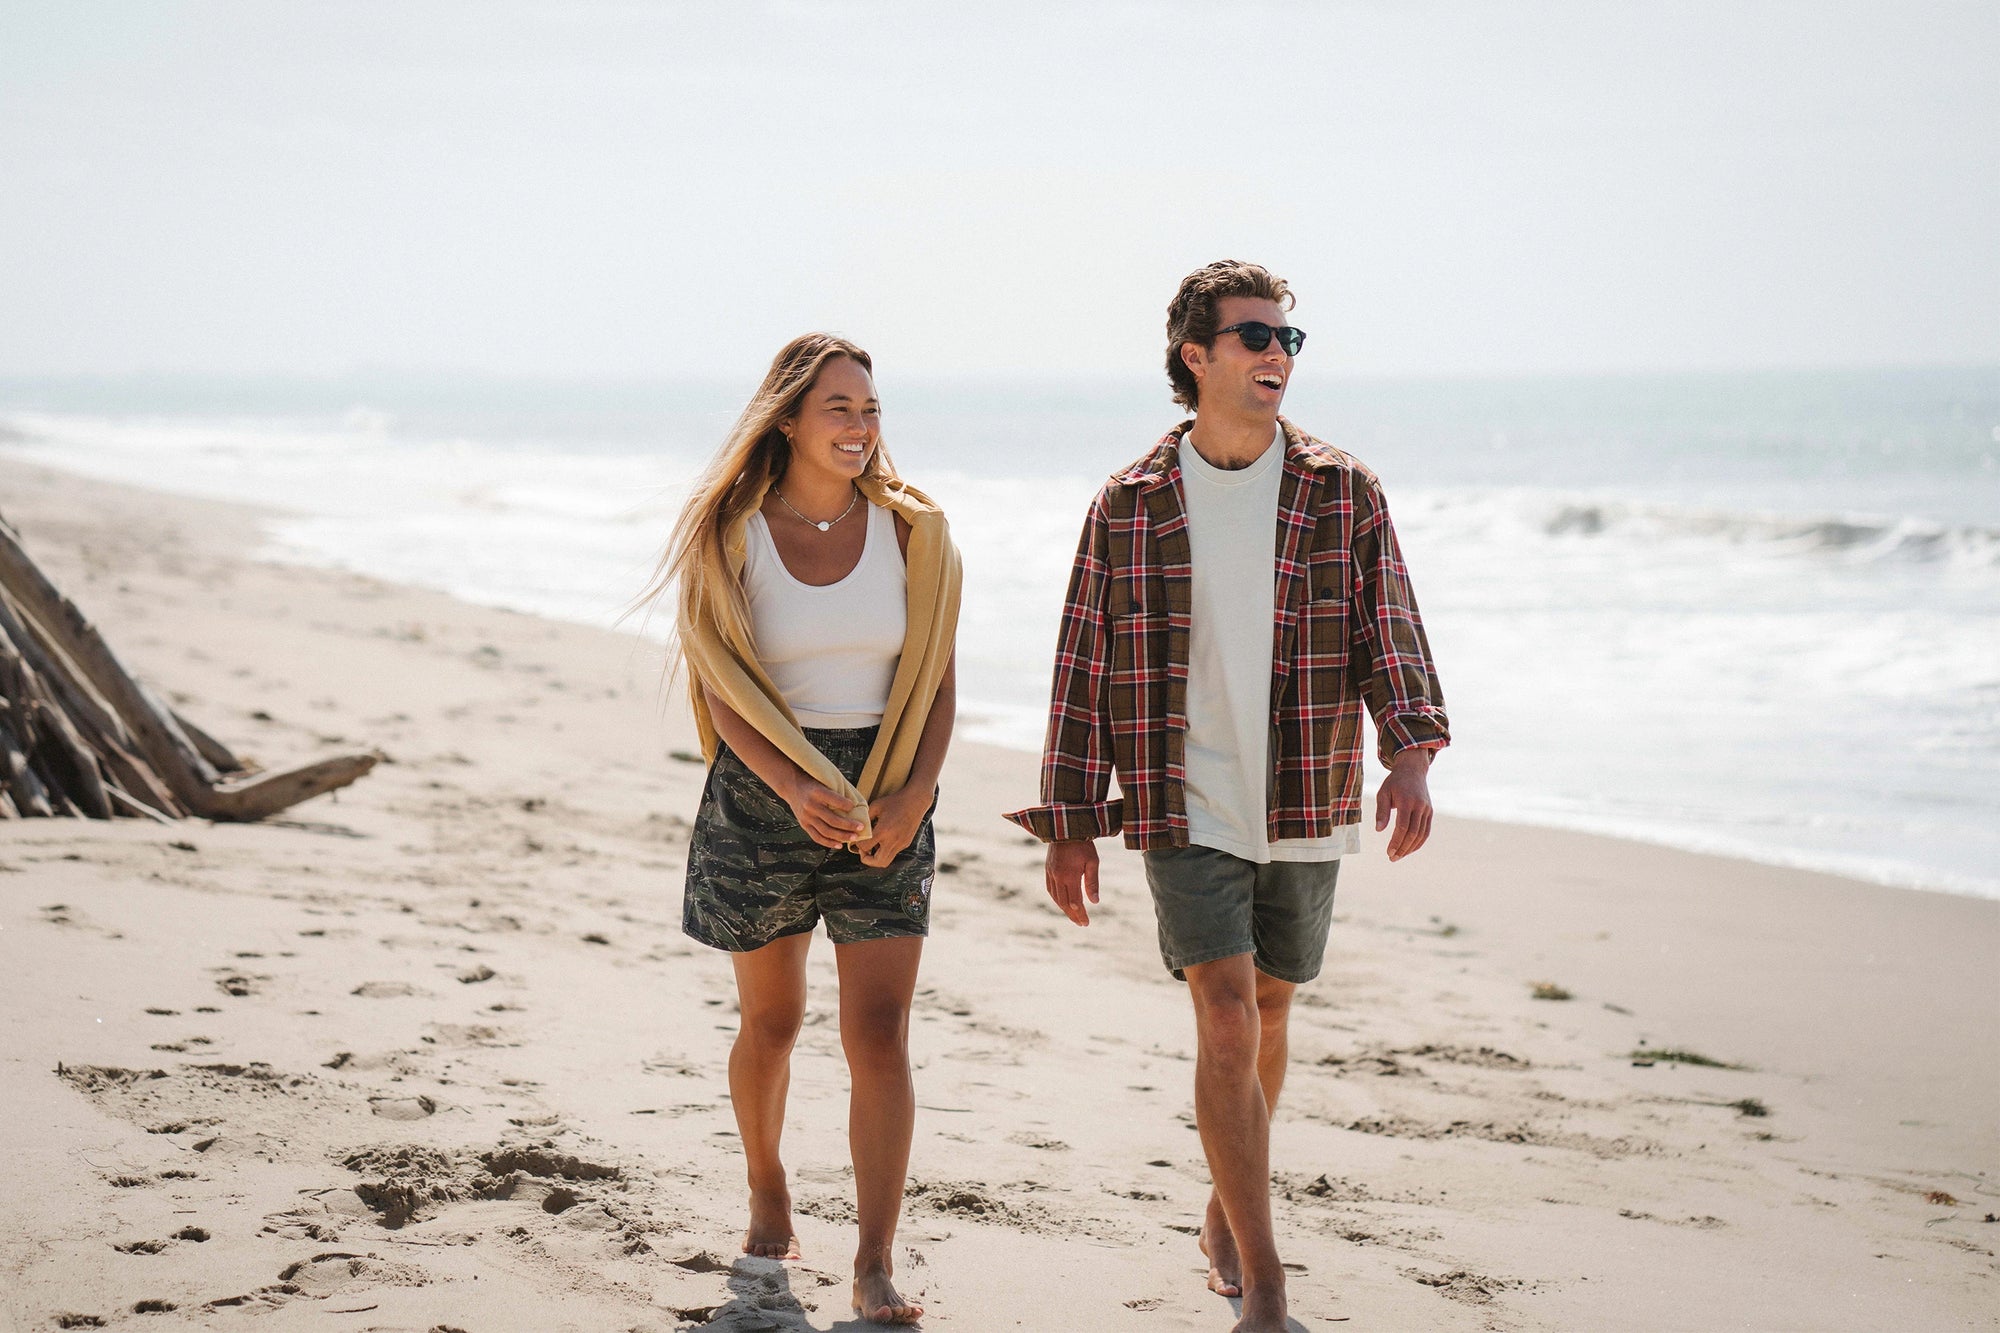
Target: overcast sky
649 189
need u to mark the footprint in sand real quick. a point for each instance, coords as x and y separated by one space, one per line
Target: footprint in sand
195 1235
403 1108
326 1275
384 990
465 1034
1041 1141
1462 1285
62 914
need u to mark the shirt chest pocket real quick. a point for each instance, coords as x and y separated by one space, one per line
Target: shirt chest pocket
1139 667
1323 612
1135 595
1329 578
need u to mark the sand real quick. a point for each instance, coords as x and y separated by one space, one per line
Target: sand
433 1053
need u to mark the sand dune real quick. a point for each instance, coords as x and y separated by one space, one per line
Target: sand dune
433 1054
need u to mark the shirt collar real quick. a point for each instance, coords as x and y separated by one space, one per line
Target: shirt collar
1162 466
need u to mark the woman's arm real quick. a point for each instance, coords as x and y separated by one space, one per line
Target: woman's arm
899 815
820 812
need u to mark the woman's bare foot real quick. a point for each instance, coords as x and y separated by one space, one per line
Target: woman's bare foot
877 1300
1218 1245
770 1235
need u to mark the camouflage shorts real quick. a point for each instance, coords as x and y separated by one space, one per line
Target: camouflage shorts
754 876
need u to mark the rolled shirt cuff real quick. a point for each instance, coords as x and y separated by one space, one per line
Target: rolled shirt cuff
1425 729
1072 823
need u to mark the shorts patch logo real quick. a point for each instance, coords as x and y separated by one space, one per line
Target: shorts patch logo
918 899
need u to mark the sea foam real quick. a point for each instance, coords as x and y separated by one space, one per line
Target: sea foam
1814 686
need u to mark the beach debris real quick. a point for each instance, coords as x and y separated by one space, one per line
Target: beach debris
81 737
1678 1055
1547 990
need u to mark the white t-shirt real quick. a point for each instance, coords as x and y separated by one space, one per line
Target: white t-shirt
1233 535
831 650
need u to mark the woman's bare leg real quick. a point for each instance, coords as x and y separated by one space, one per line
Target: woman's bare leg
771 993
877 979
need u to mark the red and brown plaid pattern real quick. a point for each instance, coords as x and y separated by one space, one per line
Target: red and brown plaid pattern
1346 635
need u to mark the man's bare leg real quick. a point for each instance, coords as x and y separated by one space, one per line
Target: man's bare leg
1274 1014
771 994
877 979
1234 1119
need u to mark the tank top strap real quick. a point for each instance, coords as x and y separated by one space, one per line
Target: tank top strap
881 529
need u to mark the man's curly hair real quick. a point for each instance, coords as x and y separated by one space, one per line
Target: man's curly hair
1191 316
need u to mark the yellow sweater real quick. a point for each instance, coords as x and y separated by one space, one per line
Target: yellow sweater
721 663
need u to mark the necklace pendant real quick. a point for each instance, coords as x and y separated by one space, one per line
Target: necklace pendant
823 526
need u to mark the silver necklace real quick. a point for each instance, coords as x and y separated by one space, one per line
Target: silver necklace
822 526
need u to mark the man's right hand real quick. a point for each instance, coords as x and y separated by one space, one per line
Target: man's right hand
1072 877
821 812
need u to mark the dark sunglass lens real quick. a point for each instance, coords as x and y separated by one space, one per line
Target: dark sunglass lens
1255 336
1291 339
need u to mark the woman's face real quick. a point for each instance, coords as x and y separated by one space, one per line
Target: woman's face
839 423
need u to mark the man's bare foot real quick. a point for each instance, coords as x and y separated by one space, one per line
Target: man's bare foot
877 1300
1263 1310
1218 1245
770 1235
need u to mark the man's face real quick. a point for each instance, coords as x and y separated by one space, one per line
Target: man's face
1235 380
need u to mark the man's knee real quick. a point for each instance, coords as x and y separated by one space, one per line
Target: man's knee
1227 1025
1274 1004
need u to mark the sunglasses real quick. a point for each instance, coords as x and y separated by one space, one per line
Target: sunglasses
1256 336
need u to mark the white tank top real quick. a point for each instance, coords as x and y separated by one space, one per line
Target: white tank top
831 651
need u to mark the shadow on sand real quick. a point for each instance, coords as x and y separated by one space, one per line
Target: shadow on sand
762 1301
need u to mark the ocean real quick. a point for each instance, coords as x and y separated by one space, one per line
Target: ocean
1754 614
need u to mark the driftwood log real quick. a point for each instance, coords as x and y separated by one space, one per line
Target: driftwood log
79 735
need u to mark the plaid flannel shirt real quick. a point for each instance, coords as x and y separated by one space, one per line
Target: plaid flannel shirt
1345 634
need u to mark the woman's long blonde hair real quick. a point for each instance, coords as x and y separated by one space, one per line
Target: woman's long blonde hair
752 459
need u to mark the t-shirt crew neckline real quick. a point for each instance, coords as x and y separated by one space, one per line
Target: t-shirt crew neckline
1272 456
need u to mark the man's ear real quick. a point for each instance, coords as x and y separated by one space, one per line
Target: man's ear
1195 357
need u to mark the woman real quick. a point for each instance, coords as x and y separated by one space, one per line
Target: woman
818 599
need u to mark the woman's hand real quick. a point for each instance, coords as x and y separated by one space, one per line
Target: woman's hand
821 812
896 818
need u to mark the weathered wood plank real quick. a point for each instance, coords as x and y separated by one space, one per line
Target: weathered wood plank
93 729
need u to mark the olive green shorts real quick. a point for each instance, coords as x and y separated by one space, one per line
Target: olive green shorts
1211 904
755 876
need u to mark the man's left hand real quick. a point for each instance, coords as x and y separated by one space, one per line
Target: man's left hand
1406 792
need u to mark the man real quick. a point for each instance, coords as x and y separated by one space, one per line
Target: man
1238 597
